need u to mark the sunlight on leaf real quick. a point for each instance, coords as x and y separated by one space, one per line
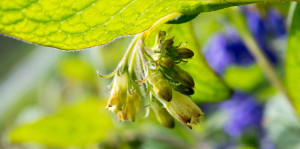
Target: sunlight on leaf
73 24
293 60
79 125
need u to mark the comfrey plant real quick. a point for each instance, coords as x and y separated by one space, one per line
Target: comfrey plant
153 72
165 84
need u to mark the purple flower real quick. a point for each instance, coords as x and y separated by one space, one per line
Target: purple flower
244 112
227 48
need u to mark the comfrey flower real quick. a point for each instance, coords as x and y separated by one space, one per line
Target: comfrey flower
183 109
167 85
132 106
117 99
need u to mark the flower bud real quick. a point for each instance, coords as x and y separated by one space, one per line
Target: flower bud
183 109
161 86
131 107
185 53
166 62
163 115
118 94
183 89
183 77
168 43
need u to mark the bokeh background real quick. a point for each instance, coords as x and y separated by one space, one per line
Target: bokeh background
51 98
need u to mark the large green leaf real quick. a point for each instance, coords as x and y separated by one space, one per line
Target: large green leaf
74 24
79 125
293 60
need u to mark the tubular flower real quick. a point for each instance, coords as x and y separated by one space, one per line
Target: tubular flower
132 106
183 109
117 99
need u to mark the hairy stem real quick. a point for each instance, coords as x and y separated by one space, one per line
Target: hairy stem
129 50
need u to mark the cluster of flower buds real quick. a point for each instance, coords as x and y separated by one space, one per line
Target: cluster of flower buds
169 57
168 84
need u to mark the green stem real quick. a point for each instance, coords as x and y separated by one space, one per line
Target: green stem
132 62
129 50
158 23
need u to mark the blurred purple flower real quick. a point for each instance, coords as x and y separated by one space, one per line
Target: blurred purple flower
244 112
227 48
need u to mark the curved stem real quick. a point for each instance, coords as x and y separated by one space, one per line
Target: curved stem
129 50
132 62
158 23
241 25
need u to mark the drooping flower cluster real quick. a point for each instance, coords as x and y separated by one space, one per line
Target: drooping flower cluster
167 85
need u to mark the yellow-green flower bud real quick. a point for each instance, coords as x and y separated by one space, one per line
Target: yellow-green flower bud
163 115
183 77
185 53
183 109
117 99
166 62
183 89
168 43
161 86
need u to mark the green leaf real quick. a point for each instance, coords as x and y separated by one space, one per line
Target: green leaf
246 79
293 60
209 87
74 24
79 125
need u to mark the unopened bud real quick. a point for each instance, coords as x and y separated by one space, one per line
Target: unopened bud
185 53
161 86
163 115
166 62
160 36
183 77
183 109
168 43
183 89
118 94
